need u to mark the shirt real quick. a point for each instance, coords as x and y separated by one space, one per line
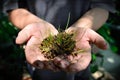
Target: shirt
57 11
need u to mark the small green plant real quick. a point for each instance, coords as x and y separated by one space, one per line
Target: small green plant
61 44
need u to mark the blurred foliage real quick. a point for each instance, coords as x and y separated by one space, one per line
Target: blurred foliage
94 64
106 33
114 17
8 34
11 54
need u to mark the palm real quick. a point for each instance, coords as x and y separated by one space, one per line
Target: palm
83 58
84 37
34 34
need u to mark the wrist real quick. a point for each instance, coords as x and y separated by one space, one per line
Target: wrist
93 19
21 17
84 23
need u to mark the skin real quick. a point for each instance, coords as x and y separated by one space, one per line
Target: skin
34 30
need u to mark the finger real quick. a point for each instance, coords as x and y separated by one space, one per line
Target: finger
38 64
35 29
39 30
24 35
61 63
98 40
50 65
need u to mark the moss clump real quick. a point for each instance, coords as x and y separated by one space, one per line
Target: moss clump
60 44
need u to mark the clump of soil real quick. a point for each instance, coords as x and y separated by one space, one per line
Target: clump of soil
60 44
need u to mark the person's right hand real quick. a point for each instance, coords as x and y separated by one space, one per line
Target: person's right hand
33 34
84 37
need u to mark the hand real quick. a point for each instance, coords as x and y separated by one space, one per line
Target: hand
33 34
84 37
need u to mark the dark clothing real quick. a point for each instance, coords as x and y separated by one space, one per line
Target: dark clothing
56 12
38 74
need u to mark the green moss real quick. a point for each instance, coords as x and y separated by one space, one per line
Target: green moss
59 44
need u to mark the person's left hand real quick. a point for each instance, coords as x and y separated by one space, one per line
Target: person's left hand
33 34
84 37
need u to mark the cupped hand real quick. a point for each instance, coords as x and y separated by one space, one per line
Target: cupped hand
33 34
84 37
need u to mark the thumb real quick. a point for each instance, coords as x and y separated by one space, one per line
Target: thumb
26 33
98 40
30 30
39 30
23 36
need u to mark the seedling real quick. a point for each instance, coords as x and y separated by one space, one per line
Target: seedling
60 44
